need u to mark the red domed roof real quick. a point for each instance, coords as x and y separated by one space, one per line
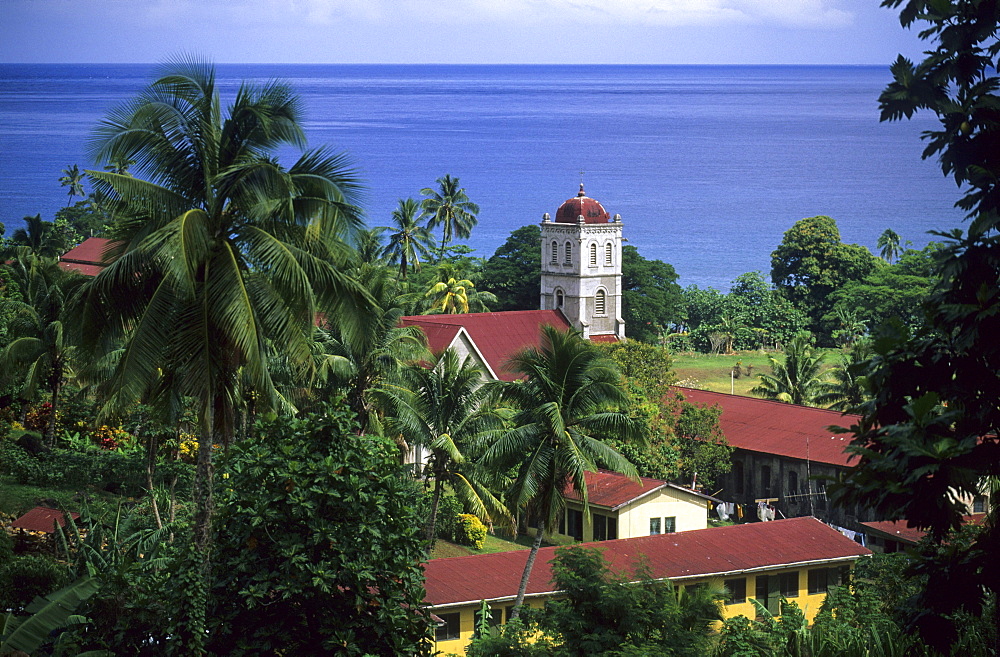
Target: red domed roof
591 209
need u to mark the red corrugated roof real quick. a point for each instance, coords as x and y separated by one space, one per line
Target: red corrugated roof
498 336
898 531
42 519
772 427
696 553
87 257
613 489
604 338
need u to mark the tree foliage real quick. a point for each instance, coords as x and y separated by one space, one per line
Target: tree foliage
929 436
798 379
651 297
322 548
511 273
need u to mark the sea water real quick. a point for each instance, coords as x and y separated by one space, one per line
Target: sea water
708 165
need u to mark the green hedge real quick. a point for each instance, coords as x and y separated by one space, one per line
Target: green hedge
115 472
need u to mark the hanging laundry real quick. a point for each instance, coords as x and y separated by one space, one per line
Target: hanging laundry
720 509
762 511
739 511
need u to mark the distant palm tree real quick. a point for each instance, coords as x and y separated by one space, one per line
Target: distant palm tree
797 380
851 327
408 240
444 408
449 207
369 246
570 400
39 236
849 387
73 178
889 245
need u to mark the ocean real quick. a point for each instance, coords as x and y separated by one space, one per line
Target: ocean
708 165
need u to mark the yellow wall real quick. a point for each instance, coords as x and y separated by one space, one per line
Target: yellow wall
808 603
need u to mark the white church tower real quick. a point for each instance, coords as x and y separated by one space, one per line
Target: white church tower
582 267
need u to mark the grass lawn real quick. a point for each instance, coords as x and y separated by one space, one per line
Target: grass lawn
444 549
712 371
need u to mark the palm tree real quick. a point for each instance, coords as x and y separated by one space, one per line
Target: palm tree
73 178
444 409
850 387
569 401
408 241
450 208
368 245
888 245
369 357
39 236
453 293
852 328
40 352
798 380
224 254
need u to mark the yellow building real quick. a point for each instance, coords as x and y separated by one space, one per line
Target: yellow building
799 559
624 508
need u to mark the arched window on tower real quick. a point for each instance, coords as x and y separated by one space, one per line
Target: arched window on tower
608 250
559 299
569 253
600 303
593 255
555 252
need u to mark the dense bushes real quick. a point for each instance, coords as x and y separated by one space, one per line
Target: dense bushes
120 473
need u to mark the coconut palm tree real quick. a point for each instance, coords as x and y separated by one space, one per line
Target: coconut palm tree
569 401
224 253
443 409
408 240
455 293
797 380
73 178
449 207
368 245
889 246
40 352
39 236
368 358
849 387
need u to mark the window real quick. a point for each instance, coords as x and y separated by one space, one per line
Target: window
574 523
767 593
600 304
793 482
654 526
450 627
818 581
555 252
765 480
605 527
569 253
608 250
737 590
670 525
593 255
979 504
559 299
738 477
788 583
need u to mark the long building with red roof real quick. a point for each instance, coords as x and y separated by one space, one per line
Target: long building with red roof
87 257
797 558
782 452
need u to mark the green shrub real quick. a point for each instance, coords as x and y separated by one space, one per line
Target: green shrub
471 531
24 578
447 524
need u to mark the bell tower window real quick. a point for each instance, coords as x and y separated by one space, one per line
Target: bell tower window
555 252
569 253
600 303
559 299
607 254
593 255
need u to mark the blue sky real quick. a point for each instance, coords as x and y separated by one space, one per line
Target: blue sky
455 31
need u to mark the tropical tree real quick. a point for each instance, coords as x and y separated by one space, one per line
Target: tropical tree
443 408
849 387
40 350
362 360
454 292
408 240
511 273
797 380
851 327
368 244
39 236
73 178
449 207
569 401
224 253
889 246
